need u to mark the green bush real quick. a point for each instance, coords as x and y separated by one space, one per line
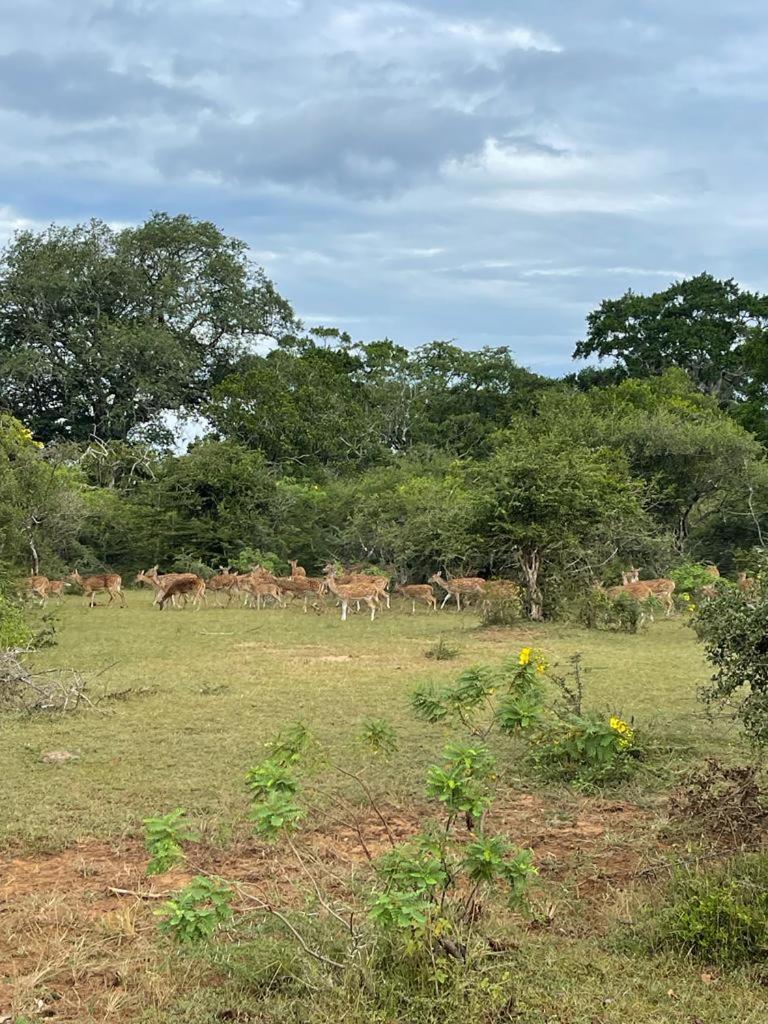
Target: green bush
502 604
585 750
594 609
719 916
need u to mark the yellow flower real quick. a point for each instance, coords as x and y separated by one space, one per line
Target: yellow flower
525 656
541 663
624 730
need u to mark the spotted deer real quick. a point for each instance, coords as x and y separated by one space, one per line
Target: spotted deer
109 583
459 585
414 592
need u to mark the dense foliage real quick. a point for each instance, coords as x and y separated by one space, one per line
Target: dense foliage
318 447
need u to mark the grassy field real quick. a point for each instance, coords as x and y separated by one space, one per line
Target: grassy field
187 701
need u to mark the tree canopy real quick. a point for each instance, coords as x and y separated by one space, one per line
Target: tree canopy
103 331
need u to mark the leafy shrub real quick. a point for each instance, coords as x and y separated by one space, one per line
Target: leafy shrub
719 916
585 750
164 839
734 630
248 557
502 603
15 631
594 609
197 910
691 577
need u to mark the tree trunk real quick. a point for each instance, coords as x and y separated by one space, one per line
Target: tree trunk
530 562
35 556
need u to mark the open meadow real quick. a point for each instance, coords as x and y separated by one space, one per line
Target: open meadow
184 702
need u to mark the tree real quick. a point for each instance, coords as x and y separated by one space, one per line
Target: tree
696 462
41 509
712 329
104 331
546 504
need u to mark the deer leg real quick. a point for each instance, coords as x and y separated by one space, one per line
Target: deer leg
413 607
372 606
344 611
458 601
446 598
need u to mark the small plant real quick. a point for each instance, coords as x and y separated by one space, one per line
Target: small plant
379 736
594 609
164 838
719 916
442 651
197 910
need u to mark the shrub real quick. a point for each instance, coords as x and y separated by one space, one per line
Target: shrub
502 603
585 750
719 916
594 609
734 630
15 631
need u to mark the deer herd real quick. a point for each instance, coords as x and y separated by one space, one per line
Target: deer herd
349 589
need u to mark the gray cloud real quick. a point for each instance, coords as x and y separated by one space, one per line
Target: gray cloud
432 168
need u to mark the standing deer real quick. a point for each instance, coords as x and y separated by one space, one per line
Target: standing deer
109 582
458 586
358 591
296 569
661 588
417 592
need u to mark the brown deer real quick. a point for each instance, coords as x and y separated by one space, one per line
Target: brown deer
181 585
362 590
458 586
296 569
746 584
259 588
109 582
661 588
381 583
37 586
225 582
55 588
417 592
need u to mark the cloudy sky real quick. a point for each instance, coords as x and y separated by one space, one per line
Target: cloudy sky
478 170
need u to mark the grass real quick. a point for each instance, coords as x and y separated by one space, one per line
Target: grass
218 683
205 691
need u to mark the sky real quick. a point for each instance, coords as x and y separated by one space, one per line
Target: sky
484 171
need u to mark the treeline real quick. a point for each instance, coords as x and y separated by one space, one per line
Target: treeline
318 447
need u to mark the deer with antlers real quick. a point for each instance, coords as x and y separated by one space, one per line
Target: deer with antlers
457 586
414 592
109 582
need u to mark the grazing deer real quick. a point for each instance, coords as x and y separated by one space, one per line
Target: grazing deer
296 569
458 586
661 588
109 582
298 586
37 586
417 592
178 585
359 591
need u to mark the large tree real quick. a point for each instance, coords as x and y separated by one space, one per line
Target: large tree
714 330
102 331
